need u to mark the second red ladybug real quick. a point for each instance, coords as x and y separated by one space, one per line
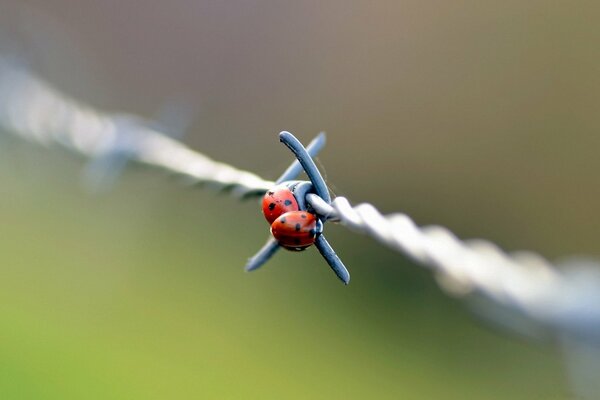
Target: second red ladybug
277 201
296 230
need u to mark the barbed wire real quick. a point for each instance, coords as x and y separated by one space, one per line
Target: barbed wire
565 299
33 110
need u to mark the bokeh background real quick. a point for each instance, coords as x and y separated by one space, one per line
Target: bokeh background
480 116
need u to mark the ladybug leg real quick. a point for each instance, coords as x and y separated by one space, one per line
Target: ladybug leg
312 149
307 164
332 259
263 255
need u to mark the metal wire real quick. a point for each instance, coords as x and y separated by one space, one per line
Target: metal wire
33 110
565 299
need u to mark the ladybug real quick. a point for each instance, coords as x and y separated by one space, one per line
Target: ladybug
278 201
296 230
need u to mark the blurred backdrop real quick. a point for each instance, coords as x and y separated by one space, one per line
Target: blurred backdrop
480 116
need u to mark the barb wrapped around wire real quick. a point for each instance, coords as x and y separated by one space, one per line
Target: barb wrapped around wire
299 239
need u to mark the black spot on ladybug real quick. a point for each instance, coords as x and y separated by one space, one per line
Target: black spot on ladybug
303 215
288 202
270 193
298 227
283 220
297 241
271 206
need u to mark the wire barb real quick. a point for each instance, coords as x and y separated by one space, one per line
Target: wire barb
304 161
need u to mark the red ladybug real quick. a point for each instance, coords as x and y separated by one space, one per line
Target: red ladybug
296 230
277 201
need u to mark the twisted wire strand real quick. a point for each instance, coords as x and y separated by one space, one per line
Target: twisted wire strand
33 110
567 299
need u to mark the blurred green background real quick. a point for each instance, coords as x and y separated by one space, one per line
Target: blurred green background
480 116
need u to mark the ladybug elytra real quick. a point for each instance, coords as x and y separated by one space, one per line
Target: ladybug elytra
278 201
296 230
